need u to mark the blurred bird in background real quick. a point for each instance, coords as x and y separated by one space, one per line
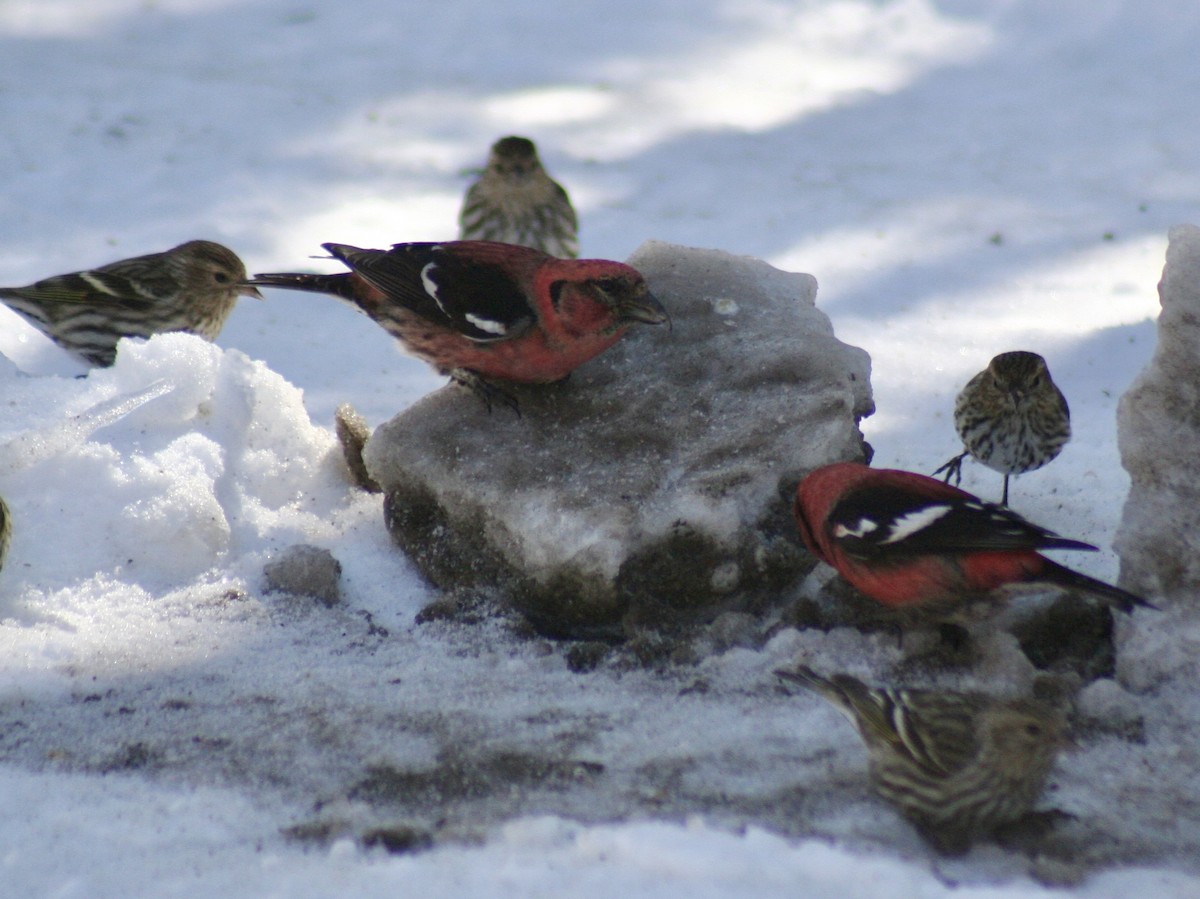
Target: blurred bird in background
515 201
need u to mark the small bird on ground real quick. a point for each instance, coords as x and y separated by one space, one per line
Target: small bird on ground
1011 417
911 542
192 287
956 765
515 201
485 312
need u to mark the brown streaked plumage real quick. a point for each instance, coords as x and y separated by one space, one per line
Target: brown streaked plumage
515 201
1011 417
956 765
192 287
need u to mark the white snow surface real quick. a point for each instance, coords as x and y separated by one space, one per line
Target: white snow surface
962 177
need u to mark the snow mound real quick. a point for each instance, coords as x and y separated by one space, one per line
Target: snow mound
182 467
1158 431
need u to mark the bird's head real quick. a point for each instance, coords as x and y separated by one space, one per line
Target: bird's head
604 296
1019 373
210 268
514 157
1025 737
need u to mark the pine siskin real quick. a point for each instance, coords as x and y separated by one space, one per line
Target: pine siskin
515 201
192 288
956 765
1011 417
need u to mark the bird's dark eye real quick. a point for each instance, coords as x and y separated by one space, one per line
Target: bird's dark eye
222 278
1033 730
556 290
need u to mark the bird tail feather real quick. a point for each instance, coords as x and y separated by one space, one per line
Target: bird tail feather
339 284
810 680
1122 599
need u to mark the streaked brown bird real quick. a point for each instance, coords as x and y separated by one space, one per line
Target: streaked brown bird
956 765
192 287
1011 417
515 201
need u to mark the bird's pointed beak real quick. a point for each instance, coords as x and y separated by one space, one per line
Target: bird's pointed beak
247 289
644 308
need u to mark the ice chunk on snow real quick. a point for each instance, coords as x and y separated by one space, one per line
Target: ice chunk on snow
657 476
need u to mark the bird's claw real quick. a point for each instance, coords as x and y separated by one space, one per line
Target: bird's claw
953 469
485 390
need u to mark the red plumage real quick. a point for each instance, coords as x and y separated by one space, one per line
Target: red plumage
910 541
481 311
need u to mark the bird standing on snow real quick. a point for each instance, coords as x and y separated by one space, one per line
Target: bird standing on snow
192 287
911 542
1011 417
956 765
515 201
483 312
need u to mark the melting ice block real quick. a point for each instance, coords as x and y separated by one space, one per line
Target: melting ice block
656 480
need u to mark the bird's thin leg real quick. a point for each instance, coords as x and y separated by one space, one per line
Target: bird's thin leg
485 390
1004 498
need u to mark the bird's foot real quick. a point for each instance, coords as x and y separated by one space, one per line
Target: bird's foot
1029 832
485 390
953 469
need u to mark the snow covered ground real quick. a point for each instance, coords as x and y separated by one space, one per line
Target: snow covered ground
961 177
